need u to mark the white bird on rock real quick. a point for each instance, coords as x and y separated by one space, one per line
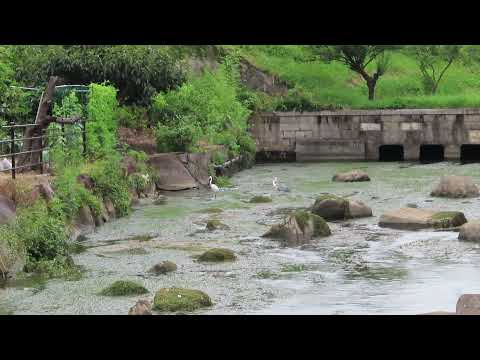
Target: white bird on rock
213 187
279 187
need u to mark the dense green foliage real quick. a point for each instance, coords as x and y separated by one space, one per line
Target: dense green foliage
204 110
149 68
102 120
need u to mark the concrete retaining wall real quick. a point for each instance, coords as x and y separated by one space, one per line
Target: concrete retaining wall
358 134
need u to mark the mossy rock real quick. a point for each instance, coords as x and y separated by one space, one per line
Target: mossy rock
180 299
124 288
331 207
258 199
320 226
299 228
217 255
163 268
448 219
215 224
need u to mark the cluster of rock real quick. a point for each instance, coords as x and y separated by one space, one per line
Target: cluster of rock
301 226
174 299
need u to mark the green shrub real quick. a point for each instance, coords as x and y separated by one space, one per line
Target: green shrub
44 236
110 183
102 121
206 109
134 117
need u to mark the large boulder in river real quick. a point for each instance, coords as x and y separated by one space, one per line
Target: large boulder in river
416 219
163 268
470 231
455 187
352 176
7 210
171 173
357 209
468 304
331 207
299 228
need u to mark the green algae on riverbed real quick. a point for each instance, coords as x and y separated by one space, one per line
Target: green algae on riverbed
217 255
348 272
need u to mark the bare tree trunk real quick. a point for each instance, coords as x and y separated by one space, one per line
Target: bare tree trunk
371 89
42 122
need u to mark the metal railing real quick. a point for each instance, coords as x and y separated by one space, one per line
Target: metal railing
11 140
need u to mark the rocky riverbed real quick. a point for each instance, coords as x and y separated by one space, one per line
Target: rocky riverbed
360 269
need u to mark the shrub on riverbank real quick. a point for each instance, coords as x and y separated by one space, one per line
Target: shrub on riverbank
205 110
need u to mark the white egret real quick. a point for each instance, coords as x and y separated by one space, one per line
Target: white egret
213 187
279 187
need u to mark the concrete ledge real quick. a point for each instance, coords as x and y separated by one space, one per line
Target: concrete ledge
463 111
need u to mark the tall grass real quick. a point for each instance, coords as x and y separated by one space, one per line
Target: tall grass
335 86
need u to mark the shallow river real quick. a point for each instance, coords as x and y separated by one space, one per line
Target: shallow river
360 269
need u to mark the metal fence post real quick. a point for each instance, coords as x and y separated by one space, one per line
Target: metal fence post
84 138
12 146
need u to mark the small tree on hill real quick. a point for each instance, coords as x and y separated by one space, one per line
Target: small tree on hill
357 58
434 61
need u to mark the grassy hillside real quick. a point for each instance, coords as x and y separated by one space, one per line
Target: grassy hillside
319 85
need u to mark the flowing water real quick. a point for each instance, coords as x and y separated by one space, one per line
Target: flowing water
360 269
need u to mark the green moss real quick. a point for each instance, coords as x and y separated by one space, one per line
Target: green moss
124 288
293 268
329 197
447 219
302 218
260 199
142 238
266 275
163 268
215 224
217 255
180 299
320 226
212 210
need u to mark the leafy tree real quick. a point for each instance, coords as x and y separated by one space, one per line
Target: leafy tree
434 61
357 58
137 71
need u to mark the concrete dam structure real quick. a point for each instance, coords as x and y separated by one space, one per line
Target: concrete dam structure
385 135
